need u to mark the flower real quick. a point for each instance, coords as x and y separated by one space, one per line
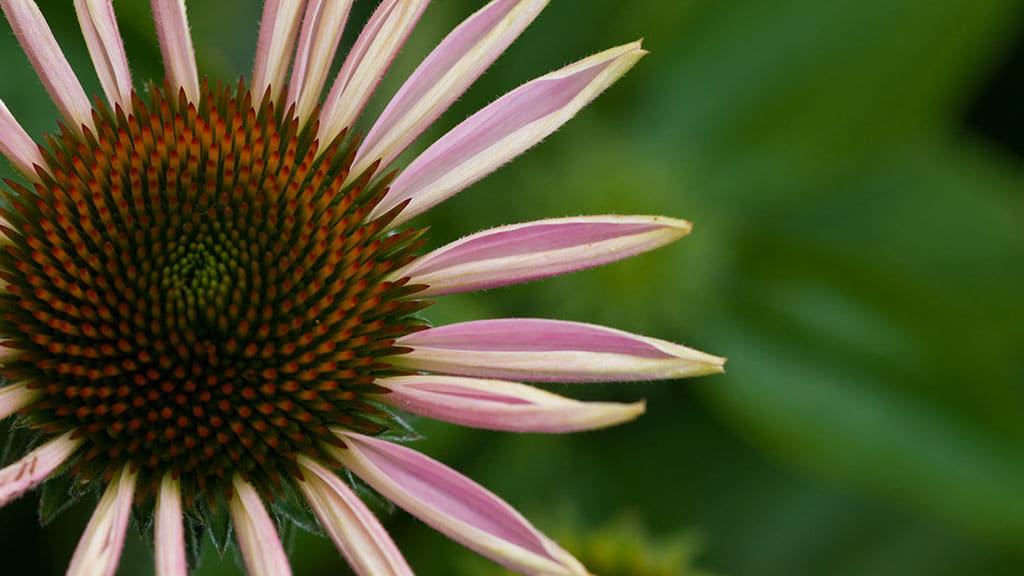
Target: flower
210 295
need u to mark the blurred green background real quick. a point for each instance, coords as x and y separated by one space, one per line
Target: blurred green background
853 171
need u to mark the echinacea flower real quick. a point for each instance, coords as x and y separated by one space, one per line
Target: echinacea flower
210 302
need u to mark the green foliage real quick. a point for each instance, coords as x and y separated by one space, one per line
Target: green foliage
621 547
625 548
57 495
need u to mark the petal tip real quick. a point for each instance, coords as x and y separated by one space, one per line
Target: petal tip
630 412
713 365
683 227
636 46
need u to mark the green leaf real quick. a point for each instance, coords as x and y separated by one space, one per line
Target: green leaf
194 537
218 524
286 532
294 510
373 499
398 427
814 85
57 495
20 440
883 348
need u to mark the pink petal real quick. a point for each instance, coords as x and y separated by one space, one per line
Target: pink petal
322 28
35 467
504 130
455 506
46 57
169 531
367 62
524 252
99 549
550 351
16 145
350 524
499 405
256 534
14 397
176 45
444 76
103 38
278 28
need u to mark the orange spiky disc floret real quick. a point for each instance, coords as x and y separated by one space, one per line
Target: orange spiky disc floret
197 290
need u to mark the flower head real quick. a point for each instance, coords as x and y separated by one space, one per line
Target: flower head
210 292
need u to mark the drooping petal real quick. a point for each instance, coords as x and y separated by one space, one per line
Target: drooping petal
255 532
35 467
278 28
366 64
445 75
550 351
49 62
322 28
169 532
455 506
14 397
99 549
176 46
524 252
500 405
350 524
16 145
504 130
103 38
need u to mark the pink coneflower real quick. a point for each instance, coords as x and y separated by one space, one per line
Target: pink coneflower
210 300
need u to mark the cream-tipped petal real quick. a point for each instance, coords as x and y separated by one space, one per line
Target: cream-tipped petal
99 549
44 53
176 46
169 530
455 506
550 351
278 29
350 524
500 405
534 250
503 130
456 63
256 534
17 146
35 467
322 28
7 353
103 39
5 240
14 397
366 64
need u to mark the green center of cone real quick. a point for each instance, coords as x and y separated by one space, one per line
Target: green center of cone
200 275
